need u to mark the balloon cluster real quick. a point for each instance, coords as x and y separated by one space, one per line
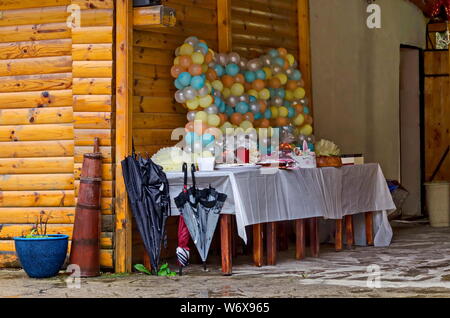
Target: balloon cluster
224 90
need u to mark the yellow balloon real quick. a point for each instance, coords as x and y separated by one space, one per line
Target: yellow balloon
205 101
204 68
268 72
264 94
201 115
227 128
192 104
299 120
275 112
218 86
289 96
253 92
176 61
197 58
186 49
283 111
283 78
299 93
213 120
291 59
208 84
226 92
246 125
237 89
306 130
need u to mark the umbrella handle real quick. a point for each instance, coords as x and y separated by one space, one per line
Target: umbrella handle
185 175
193 175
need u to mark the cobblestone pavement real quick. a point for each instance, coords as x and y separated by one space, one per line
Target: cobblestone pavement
417 264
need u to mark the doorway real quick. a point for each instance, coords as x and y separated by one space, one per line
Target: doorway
411 131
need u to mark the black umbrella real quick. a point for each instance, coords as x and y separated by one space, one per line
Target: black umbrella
148 192
200 210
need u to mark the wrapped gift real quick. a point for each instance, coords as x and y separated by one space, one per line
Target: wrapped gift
305 158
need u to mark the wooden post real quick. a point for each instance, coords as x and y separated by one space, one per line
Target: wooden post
305 47
124 112
314 237
224 25
271 243
339 236
369 228
349 231
300 239
225 243
147 262
258 252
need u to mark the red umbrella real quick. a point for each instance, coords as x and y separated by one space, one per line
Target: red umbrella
183 241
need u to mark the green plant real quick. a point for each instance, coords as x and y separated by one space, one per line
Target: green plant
40 227
164 270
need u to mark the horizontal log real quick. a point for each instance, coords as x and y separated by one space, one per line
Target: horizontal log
36 165
21 215
85 137
46 48
150 149
154 16
279 10
91 69
56 98
144 137
36 132
94 4
10 260
93 35
107 188
151 87
97 17
30 83
24 116
24 4
92 52
34 32
30 182
92 120
248 41
107 171
194 13
158 121
30 149
107 153
149 71
34 16
37 198
9 231
39 65
153 56
92 86
154 40
92 103
145 104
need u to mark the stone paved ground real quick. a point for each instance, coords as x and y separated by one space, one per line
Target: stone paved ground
417 264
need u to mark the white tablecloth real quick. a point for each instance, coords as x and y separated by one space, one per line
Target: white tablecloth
271 195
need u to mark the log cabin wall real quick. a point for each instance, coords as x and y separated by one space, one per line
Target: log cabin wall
55 97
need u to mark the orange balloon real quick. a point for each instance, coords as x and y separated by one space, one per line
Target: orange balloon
216 132
257 122
227 81
286 65
185 61
211 75
291 85
258 84
281 121
283 52
301 83
250 117
275 82
308 119
176 70
208 57
264 123
236 118
299 109
223 118
195 69
263 106
239 79
200 129
189 126
247 86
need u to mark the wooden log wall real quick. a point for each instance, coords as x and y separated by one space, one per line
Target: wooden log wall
55 97
437 109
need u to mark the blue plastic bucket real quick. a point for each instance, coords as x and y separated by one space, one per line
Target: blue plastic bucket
42 257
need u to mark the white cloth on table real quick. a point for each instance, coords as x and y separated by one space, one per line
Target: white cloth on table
271 195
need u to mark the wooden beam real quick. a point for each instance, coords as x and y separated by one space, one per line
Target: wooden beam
314 240
154 17
305 47
258 252
300 239
225 244
124 112
369 228
339 235
224 25
271 243
349 231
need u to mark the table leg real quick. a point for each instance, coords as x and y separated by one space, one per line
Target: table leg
299 239
339 236
225 243
349 231
258 252
314 237
271 243
369 228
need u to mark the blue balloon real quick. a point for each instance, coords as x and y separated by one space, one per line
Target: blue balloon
203 45
306 110
250 76
242 107
272 91
232 69
273 53
279 61
296 75
197 82
229 111
280 92
207 139
252 98
219 70
291 112
222 107
268 114
217 100
185 78
178 85
287 103
258 116
260 74
190 137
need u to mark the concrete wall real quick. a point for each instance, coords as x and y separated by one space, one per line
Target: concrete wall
356 75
